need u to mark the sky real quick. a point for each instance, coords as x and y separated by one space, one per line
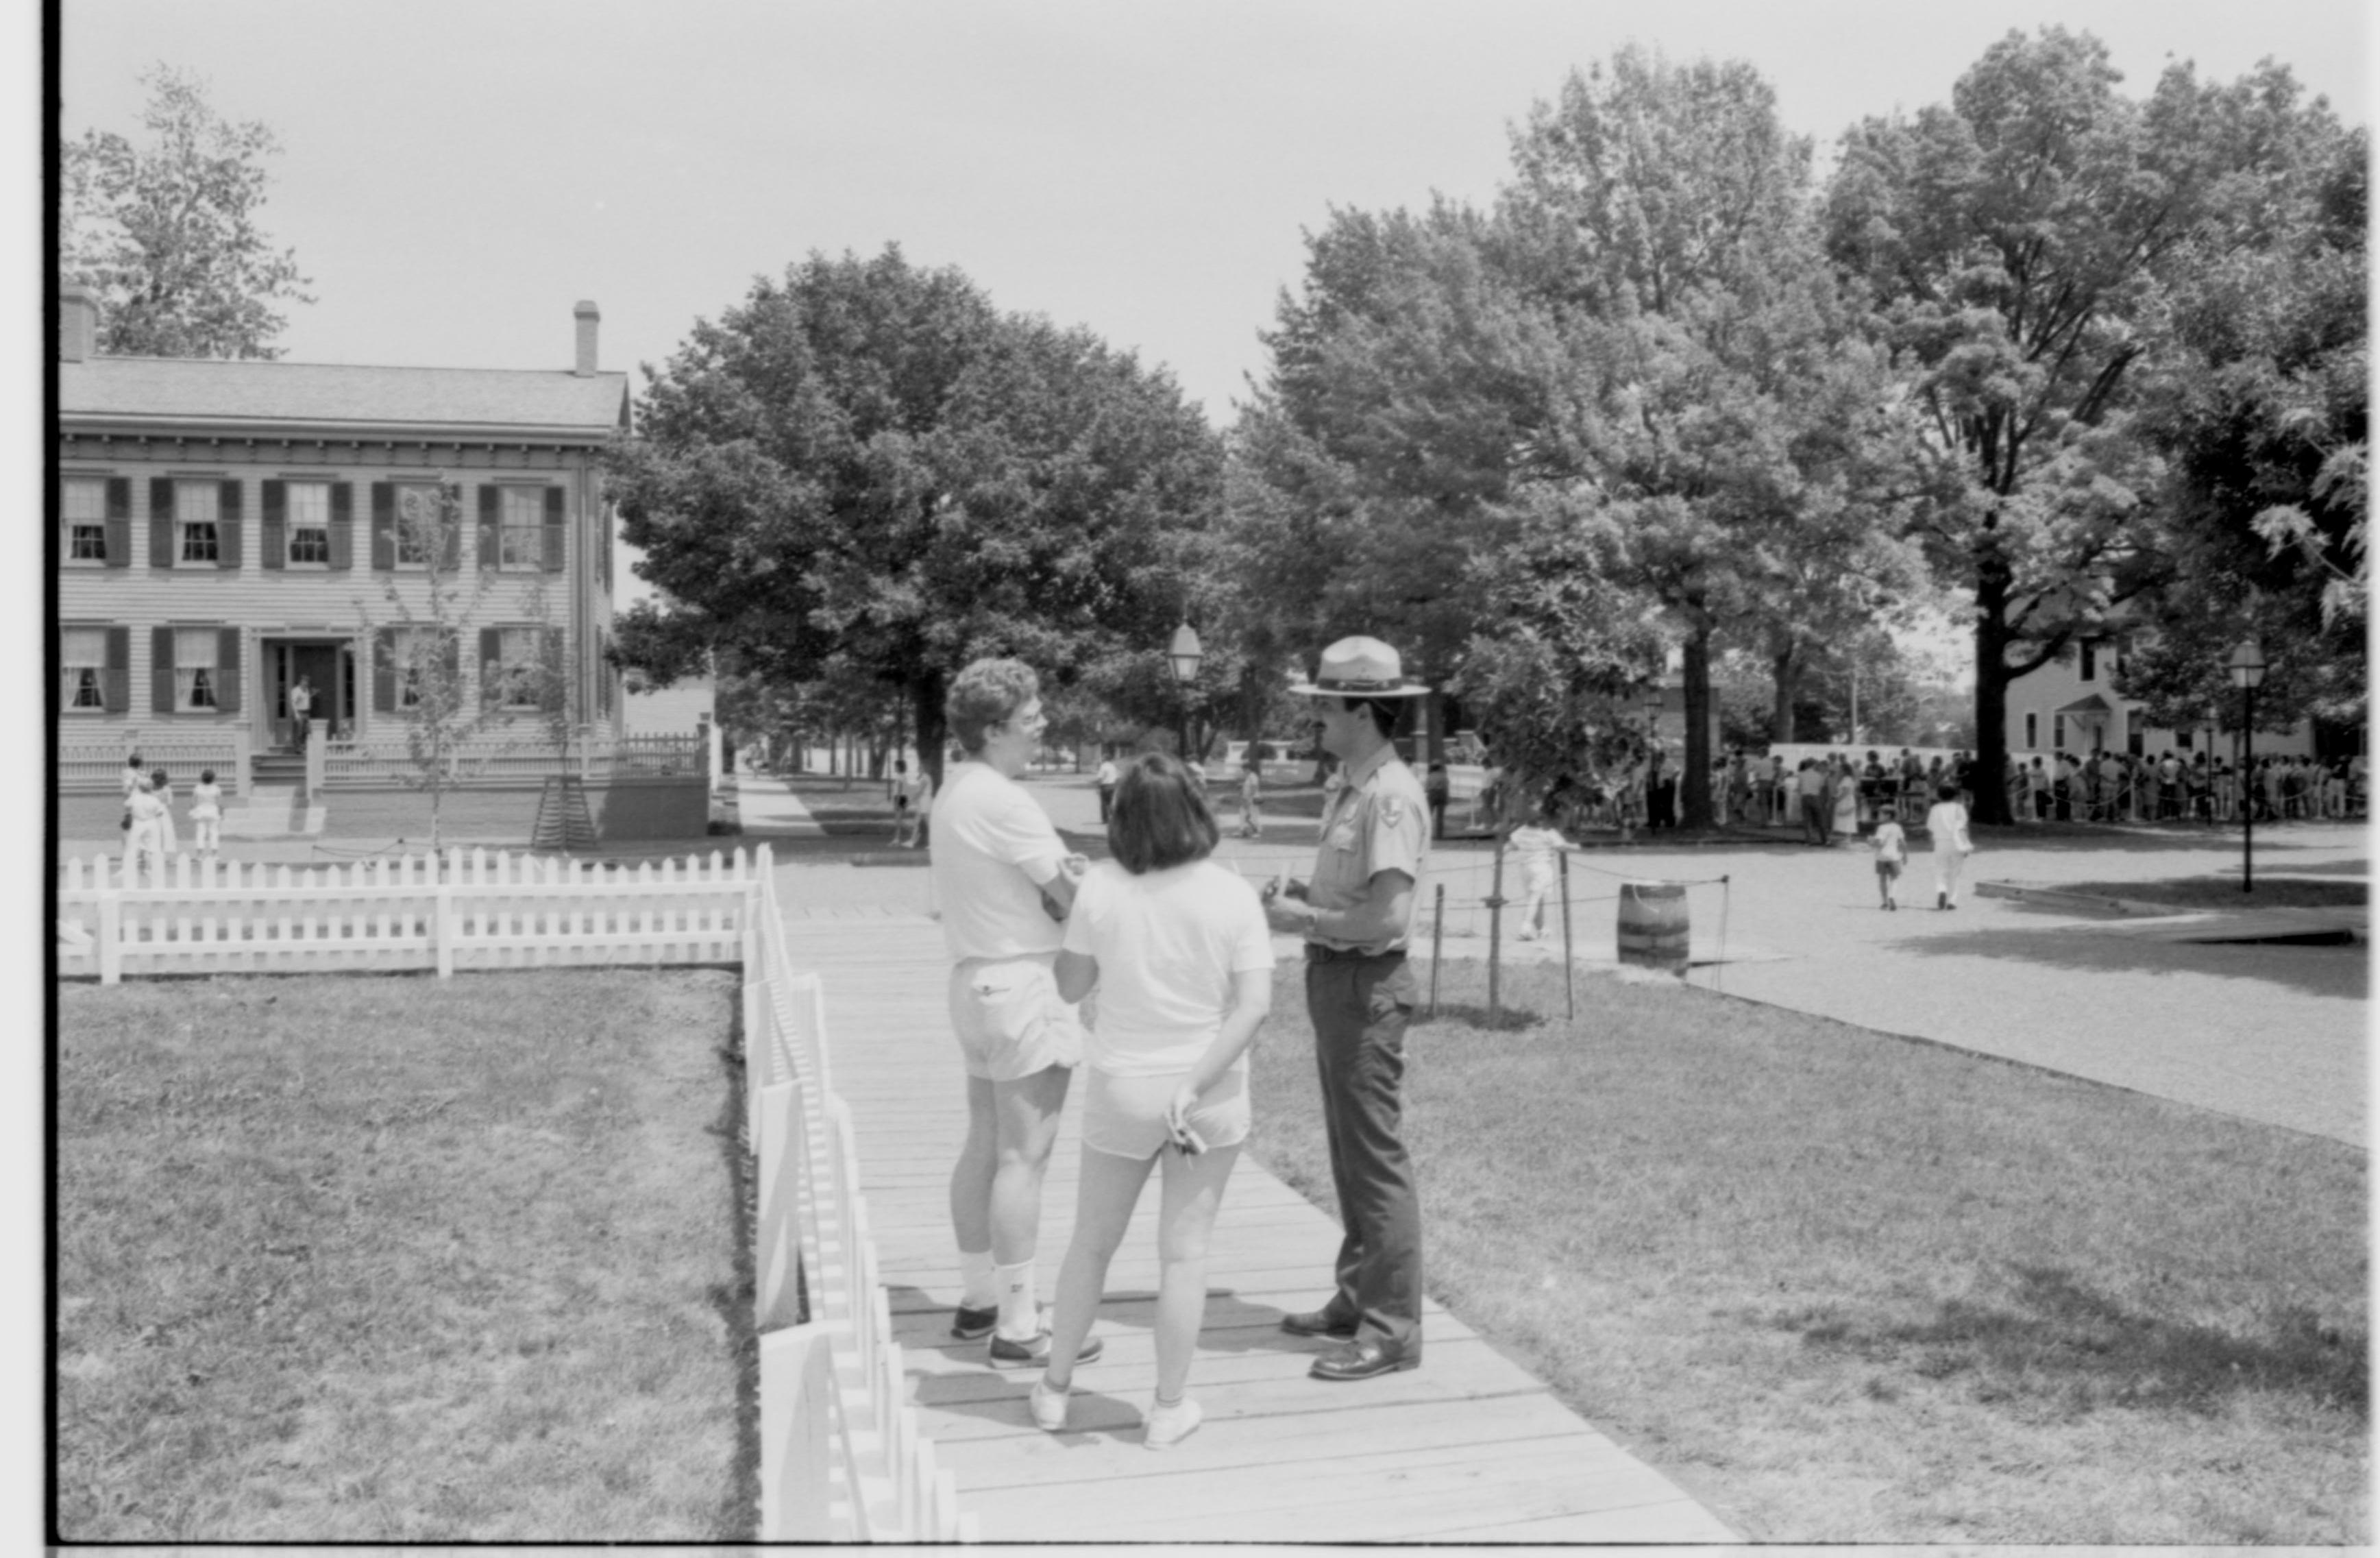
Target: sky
455 176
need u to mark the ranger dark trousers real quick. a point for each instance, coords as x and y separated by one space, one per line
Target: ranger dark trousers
1359 1006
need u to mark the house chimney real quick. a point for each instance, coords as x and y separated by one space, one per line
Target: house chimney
588 318
78 324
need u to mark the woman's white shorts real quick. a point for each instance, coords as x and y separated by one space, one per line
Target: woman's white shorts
1125 1116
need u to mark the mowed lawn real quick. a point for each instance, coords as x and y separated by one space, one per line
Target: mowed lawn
1852 1288
377 1259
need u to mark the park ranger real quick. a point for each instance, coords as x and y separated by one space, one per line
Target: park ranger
1356 917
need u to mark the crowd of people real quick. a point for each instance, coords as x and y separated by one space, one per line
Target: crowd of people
151 837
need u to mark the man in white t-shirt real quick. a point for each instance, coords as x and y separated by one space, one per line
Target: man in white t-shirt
1004 881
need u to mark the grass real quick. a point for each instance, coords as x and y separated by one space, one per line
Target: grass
2223 891
400 1259
1847 1287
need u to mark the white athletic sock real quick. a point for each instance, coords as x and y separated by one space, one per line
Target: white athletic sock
978 1289
1020 1309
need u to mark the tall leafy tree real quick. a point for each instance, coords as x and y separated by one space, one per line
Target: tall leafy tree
866 462
166 233
2019 240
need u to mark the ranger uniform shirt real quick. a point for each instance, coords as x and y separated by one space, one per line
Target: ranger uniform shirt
1377 820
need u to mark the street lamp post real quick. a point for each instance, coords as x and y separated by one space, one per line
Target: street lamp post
1184 652
2247 675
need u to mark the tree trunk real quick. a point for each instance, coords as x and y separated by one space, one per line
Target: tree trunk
1785 668
1694 782
926 691
1991 801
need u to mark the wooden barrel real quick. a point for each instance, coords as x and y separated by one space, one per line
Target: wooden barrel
1652 925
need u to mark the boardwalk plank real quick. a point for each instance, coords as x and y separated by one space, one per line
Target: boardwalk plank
1469 1443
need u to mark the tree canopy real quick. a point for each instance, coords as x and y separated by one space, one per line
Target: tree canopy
165 234
867 464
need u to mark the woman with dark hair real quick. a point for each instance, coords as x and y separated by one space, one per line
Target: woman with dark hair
1179 951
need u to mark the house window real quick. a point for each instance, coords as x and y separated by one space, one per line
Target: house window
421 520
412 647
521 531
2032 732
2057 732
2090 663
194 670
86 519
82 657
517 668
196 538
310 524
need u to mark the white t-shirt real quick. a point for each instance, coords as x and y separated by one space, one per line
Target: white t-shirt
1946 822
994 846
1168 944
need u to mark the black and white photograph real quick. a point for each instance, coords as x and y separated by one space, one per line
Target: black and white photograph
1523 773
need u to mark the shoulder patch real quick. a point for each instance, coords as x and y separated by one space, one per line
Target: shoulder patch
1392 810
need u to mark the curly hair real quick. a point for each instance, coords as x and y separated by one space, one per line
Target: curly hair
983 695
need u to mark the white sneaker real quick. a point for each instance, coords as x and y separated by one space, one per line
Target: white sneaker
1168 1426
1049 1407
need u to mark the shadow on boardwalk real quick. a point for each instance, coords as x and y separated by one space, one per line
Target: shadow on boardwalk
2341 972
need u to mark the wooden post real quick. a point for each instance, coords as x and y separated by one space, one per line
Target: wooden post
1570 996
1496 935
1437 934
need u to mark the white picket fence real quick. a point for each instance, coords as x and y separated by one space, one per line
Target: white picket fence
841 1456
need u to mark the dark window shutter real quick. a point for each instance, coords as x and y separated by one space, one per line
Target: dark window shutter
452 515
227 682
383 662
117 679
227 528
492 646
277 524
119 521
160 522
161 670
553 523
383 524
343 525
490 516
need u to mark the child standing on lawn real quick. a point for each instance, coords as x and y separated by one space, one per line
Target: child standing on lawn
1891 847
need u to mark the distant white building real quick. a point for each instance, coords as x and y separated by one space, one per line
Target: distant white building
2072 706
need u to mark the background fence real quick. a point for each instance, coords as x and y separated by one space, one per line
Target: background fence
94 766
514 760
842 1459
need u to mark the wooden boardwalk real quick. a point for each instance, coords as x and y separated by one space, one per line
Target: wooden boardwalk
1469 1447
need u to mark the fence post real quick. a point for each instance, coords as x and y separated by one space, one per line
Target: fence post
1437 933
442 930
110 927
1569 997
1496 936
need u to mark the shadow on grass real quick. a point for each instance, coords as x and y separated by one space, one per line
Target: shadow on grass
2057 1340
1474 1014
2343 972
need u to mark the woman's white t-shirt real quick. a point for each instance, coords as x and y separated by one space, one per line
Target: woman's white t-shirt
992 846
1166 942
1946 824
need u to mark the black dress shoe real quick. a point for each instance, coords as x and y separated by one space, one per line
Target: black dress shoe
1362 1360
1318 1322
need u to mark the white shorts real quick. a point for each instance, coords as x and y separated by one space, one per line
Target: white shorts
1009 1019
1125 1116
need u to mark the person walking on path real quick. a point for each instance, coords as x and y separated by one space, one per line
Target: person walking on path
1946 829
1891 847
1179 951
1251 794
1843 815
206 815
1356 916
1437 788
1106 781
1810 785
1005 881
1538 842
145 845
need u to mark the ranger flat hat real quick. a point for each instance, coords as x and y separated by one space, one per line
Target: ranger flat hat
1359 667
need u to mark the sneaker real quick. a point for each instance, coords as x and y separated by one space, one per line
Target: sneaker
1049 1407
1006 1354
1168 1426
974 1325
